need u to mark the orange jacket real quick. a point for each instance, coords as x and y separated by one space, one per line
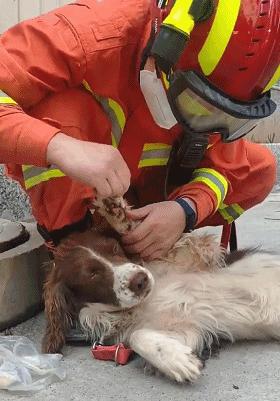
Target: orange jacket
101 43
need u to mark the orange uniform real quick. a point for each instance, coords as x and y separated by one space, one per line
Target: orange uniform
76 70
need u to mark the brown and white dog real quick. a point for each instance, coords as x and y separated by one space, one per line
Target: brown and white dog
166 310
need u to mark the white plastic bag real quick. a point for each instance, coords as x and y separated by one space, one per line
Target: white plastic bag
22 368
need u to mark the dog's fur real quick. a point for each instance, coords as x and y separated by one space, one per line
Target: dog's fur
166 310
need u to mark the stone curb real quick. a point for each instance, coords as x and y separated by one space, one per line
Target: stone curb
22 274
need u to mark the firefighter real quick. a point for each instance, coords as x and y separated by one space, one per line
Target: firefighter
147 99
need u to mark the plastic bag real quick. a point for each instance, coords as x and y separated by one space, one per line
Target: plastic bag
22 368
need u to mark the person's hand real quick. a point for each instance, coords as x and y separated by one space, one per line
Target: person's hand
99 166
162 225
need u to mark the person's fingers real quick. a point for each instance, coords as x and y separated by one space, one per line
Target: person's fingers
115 184
140 246
138 234
103 189
139 214
124 176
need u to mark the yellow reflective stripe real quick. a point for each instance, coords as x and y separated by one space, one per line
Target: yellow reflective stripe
45 176
211 185
154 154
119 113
238 209
5 99
87 87
273 80
114 112
219 35
153 162
114 142
155 146
34 175
214 180
26 167
232 212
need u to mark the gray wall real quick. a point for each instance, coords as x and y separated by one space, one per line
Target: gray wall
13 11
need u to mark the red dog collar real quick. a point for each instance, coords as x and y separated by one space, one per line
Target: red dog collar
118 353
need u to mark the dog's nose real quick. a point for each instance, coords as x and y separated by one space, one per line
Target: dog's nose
139 283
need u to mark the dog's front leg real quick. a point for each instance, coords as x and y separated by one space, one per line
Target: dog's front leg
164 351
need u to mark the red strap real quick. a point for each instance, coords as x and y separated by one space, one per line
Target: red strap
118 353
226 235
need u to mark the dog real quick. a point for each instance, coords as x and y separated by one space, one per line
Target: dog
166 310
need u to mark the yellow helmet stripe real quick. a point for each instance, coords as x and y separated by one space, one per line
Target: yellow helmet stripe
219 35
273 80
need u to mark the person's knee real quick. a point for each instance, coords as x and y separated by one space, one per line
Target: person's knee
267 171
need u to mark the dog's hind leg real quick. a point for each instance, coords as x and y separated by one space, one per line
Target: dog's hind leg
166 352
243 301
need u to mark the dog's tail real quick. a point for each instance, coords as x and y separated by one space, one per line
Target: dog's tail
235 256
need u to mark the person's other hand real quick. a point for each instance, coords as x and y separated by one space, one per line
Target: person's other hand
99 166
162 225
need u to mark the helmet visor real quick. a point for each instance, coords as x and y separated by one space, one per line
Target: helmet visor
202 116
203 108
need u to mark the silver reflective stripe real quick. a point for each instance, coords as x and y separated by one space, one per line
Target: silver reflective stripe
116 128
34 171
154 155
212 178
115 113
229 210
36 175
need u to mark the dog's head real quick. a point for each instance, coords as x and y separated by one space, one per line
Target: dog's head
89 268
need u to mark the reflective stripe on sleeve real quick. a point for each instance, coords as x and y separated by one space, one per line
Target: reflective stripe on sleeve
214 180
231 212
114 112
33 175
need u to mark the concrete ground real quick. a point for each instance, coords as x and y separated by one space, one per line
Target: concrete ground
243 372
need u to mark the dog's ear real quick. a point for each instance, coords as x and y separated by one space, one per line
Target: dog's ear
58 310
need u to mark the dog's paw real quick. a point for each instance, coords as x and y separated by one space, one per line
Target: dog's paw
167 354
114 210
178 362
182 366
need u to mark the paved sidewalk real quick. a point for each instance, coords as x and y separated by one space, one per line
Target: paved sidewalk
243 372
